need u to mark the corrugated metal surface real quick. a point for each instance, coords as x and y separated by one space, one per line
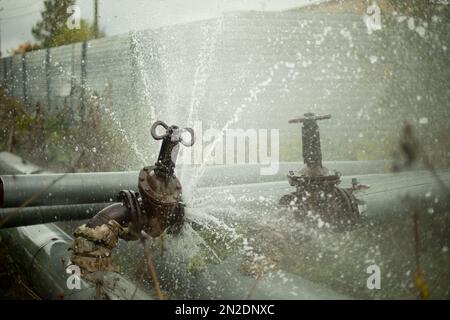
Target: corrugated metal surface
278 63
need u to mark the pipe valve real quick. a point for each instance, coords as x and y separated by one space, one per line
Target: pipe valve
168 153
317 188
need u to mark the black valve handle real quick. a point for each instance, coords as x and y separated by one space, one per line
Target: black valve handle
156 125
174 132
310 117
312 153
169 148
187 143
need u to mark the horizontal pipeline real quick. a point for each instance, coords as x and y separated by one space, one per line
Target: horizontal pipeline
16 217
63 189
100 187
42 253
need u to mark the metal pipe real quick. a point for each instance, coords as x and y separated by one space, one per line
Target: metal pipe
42 253
64 189
13 164
388 194
15 217
384 196
405 191
83 188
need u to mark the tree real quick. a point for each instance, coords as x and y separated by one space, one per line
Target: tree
25 47
52 30
66 35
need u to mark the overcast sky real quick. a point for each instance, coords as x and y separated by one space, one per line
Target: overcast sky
121 16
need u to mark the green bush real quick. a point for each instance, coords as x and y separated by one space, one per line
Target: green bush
58 142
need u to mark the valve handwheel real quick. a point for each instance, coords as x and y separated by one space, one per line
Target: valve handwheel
156 125
310 117
174 132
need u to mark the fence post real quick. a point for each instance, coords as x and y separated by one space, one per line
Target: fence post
47 76
24 80
83 78
7 65
5 74
72 80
